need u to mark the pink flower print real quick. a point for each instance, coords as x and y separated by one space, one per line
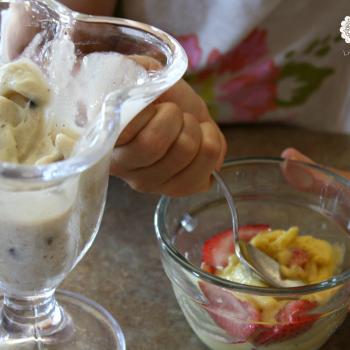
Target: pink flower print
253 92
250 50
244 77
194 52
213 57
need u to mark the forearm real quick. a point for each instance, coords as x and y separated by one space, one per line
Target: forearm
92 7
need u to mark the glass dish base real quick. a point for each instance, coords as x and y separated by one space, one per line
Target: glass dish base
93 328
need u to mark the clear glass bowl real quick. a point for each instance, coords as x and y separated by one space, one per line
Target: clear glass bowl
50 214
281 193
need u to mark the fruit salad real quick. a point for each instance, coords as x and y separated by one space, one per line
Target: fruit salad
251 321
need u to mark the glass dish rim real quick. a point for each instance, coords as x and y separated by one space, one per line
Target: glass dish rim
196 272
168 75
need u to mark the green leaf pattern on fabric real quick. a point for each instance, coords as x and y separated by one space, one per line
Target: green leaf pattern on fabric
246 82
308 79
206 89
302 77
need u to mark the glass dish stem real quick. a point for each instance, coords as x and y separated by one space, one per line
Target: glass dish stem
38 317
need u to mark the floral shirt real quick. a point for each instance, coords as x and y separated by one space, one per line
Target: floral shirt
262 60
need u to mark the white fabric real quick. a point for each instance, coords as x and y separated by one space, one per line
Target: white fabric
219 23
291 25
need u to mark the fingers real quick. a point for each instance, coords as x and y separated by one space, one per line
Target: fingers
149 63
299 176
187 100
173 146
293 154
310 179
223 144
327 189
197 176
172 154
153 141
180 155
136 125
181 93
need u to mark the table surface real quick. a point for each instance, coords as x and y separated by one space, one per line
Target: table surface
122 270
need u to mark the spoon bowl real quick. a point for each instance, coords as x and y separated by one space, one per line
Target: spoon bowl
262 265
256 261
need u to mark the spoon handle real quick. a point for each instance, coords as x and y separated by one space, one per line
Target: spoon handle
232 207
235 227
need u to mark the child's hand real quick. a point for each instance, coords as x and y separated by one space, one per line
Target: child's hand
311 180
293 154
171 147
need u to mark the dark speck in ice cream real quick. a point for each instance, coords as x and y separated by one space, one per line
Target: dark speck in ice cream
13 252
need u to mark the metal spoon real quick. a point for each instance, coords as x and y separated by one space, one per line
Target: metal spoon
266 268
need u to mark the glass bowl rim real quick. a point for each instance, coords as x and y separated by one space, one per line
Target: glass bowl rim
160 228
168 75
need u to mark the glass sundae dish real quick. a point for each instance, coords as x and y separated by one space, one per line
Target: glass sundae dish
69 84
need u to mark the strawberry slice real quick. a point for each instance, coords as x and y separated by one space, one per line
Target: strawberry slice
238 318
299 257
248 232
217 249
292 320
207 268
